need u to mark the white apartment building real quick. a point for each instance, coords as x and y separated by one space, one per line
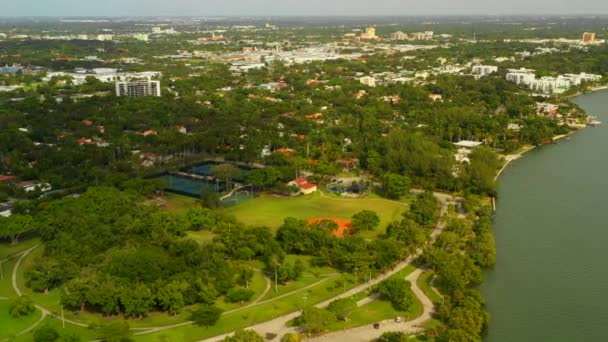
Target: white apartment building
103 75
521 76
484 70
105 37
549 85
368 81
138 88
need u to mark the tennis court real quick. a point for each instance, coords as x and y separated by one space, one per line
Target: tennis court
189 187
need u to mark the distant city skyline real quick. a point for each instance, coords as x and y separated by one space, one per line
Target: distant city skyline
299 7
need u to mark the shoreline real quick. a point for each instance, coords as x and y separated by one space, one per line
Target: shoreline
511 157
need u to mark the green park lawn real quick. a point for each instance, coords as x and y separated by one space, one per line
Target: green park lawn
9 251
10 326
83 333
253 315
424 282
178 203
270 211
377 311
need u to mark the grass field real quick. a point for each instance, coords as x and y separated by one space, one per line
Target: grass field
424 282
10 326
270 211
83 333
253 315
376 311
178 204
310 276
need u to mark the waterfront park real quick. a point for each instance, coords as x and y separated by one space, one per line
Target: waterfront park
269 300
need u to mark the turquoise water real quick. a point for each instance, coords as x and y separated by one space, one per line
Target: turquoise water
550 282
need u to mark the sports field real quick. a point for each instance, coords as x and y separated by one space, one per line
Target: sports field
270 211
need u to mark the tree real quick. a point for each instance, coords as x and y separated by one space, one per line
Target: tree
170 296
116 331
244 336
394 337
12 227
291 337
201 218
396 185
481 172
423 209
210 199
226 172
137 301
342 308
46 333
21 306
245 276
365 220
262 178
239 294
398 292
315 320
206 316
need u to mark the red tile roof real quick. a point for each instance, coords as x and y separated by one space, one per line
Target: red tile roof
4 178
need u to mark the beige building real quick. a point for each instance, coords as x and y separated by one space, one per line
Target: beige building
370 33
589 37
368 81
399 36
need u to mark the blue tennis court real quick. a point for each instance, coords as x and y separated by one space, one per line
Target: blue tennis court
186 186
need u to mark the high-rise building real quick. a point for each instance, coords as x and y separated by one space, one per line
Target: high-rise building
370 33
589 37
138 88
399 35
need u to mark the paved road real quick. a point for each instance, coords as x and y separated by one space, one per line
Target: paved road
367 332
278 325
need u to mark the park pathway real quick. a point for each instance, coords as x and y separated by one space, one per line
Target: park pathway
368 332
278 326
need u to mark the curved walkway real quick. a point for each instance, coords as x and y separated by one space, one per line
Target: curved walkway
368 333
278 326
45 311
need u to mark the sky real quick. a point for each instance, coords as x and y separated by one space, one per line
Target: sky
297 7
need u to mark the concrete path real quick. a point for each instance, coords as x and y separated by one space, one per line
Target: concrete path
278 326
367 332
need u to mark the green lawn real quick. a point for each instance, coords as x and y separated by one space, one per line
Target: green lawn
6 287
270 211
51 301
179 204
254 315
376 311
424 282
10 326
201 236
257 285
310 276
83 333
7 250
379 310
